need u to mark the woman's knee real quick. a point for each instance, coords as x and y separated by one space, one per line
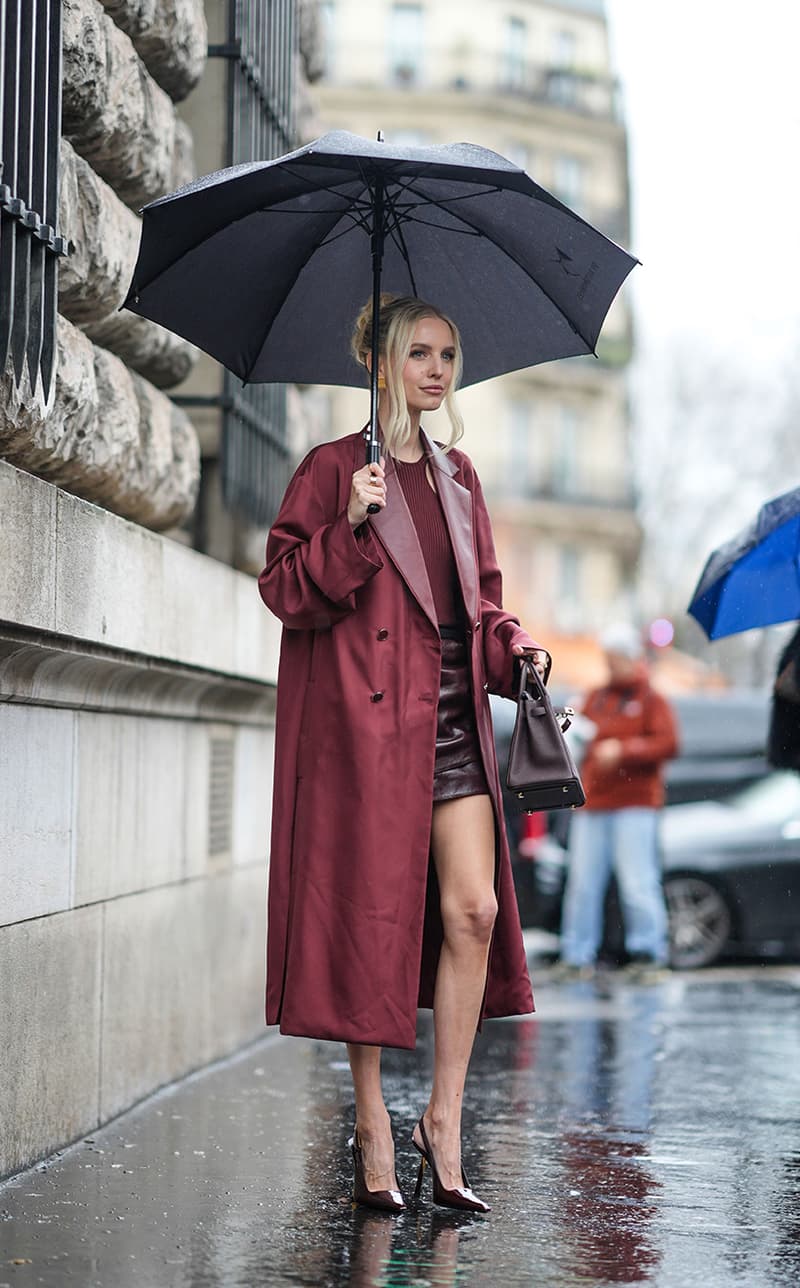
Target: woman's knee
470 917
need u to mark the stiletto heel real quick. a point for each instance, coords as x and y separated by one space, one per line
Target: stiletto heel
385 1200
461 1197
420 1178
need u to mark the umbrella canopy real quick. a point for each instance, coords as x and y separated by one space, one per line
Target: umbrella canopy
753 580
266 265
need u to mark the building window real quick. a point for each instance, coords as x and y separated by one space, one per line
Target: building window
406 43
569 180
569 569
515 44
563 48
567 454
328 24
520 462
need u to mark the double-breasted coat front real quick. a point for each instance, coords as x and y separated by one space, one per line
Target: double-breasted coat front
353 920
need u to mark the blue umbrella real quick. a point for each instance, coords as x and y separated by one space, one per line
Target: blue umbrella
754 579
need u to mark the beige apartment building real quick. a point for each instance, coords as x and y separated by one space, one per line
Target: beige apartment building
530 79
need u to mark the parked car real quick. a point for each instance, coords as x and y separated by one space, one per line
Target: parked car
731 876
732 873
730 841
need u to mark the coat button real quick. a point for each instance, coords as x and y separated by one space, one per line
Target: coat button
377 697
477 626
383 634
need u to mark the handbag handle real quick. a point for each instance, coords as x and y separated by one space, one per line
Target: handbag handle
528 672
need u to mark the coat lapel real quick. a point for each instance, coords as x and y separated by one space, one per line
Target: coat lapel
457 506
395 530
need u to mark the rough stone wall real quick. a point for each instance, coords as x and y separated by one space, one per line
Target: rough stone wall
94 279
107 433
113 112
170 37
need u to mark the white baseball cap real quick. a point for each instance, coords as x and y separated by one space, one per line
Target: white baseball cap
624 639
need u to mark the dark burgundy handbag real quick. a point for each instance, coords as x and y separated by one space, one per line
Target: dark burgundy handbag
541 771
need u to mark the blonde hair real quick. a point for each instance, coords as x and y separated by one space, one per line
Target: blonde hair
397 322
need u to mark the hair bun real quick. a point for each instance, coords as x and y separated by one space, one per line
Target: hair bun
361 341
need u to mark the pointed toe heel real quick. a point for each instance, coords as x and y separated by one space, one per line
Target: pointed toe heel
382 1200
462 1197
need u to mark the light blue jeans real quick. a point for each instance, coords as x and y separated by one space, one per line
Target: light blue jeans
625 842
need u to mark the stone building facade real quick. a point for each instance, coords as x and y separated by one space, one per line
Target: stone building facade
136 673
533 81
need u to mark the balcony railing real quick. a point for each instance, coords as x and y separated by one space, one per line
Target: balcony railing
609 491
465 69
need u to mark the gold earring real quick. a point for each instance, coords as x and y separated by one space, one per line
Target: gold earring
381 382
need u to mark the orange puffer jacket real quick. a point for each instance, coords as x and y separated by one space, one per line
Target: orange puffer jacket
643 722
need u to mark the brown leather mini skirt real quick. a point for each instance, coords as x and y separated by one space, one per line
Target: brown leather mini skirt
458 769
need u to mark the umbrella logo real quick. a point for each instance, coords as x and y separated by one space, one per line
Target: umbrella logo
562 259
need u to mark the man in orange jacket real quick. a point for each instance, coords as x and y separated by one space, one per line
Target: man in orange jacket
616 831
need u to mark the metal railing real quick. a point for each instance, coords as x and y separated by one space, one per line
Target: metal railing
261 49
30 102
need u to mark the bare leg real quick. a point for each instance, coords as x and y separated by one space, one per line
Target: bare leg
463 845
372 1119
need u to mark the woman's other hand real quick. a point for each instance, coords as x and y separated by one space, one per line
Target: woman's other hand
538 656
367 488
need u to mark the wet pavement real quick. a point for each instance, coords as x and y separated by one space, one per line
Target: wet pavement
629 1134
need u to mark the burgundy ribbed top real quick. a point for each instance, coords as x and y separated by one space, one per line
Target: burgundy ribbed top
426 511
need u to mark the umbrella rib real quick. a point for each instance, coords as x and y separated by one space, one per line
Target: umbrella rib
397 236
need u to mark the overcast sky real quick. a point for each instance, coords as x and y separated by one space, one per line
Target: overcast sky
712 100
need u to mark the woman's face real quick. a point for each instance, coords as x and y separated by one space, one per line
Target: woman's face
428 369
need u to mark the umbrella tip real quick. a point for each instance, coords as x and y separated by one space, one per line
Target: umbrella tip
380 137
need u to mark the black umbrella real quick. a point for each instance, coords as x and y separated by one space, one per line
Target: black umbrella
264 265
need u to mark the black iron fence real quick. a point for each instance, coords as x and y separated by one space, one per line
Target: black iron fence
30 103
261 49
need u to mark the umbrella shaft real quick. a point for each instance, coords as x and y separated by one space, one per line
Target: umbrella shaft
373 445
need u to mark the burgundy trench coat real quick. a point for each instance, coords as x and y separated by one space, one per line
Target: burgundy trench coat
354 928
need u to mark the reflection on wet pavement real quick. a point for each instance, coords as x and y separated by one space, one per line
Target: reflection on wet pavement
625 1135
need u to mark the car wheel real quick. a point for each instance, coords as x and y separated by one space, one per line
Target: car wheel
699 921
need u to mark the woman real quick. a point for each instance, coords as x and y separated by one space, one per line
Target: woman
390 880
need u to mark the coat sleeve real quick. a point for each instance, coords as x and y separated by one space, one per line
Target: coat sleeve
658 740
501 630
315 560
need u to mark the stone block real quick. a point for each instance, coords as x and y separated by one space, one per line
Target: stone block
130 805
252 795
183 981
36 812
109 579
162 357
113 112
93 280
195 800
27 549
170 37
258 633
201 592
49 1033
106 435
